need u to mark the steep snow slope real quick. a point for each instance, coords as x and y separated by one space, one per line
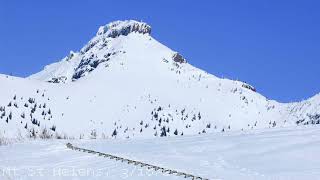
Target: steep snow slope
284 153
125 84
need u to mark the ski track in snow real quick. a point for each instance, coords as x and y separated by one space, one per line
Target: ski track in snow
270 154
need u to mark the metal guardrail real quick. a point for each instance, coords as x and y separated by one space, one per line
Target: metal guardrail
137 163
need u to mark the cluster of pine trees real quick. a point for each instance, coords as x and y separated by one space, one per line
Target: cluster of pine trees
30 107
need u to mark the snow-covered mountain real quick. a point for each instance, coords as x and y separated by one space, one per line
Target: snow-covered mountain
125 84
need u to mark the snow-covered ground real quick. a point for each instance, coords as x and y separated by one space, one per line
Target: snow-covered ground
286 154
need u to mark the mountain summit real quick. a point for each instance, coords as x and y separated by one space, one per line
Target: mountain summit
118 28
125 84
107 44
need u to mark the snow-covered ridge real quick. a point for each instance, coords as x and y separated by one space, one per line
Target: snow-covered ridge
117 28
99 50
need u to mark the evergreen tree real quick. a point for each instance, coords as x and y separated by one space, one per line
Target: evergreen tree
3 114
114 132
193 118
163 131
23 115
93 134
33 134
209 125
31 100
155 115
176 132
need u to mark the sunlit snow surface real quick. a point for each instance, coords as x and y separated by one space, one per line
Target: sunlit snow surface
289 154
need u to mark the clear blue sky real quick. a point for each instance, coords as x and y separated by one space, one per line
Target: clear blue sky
273 45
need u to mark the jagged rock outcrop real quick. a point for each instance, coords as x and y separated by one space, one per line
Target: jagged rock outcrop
119 28
248 86
61 79
178 58
87 65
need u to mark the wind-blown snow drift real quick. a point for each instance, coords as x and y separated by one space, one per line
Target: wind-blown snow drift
125 84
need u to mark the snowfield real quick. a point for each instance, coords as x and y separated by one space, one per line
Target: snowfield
269 154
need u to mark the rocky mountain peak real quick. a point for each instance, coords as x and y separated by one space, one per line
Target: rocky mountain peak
117 28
